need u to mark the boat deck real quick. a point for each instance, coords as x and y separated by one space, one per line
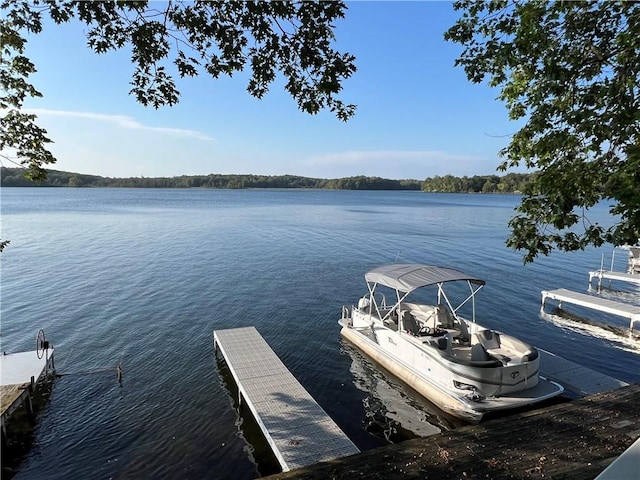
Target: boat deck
298 430
620 276
626 310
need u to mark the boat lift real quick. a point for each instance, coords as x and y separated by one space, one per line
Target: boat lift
632 275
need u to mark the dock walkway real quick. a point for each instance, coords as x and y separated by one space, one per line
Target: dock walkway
298 430
609 275
19 372
576 378
575 440
626 310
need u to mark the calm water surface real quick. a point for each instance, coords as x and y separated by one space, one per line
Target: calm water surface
145 276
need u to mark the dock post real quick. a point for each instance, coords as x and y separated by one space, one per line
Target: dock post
28 404
5 439
544 299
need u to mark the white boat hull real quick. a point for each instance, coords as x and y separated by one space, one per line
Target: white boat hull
445 401
462 367
457 403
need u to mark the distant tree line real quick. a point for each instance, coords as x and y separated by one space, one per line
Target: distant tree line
14 177
510 183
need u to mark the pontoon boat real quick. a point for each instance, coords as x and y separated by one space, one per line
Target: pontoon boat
464 368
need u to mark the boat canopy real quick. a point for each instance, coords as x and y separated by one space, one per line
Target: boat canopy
407 277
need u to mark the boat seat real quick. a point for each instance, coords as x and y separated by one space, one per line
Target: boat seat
444 344
443 319
490 340
478 353
457 328
409 323
465 336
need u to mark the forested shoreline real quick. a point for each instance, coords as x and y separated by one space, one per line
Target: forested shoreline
509 183
14 177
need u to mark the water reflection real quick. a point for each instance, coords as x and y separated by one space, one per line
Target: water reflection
393 410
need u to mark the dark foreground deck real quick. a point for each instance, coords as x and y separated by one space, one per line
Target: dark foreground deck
574 440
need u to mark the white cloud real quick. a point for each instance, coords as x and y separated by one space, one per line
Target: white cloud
120 121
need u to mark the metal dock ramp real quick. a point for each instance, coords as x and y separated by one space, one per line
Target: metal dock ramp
574 377
298 430
626 310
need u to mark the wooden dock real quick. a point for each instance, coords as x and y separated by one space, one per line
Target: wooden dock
19 374
626 310
609 275
298 430
575 440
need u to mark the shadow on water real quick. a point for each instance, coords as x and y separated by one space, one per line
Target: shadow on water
21 431
620 337
258 448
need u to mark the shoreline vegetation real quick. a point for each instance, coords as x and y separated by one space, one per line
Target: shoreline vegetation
509 183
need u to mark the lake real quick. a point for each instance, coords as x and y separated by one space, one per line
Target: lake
144 276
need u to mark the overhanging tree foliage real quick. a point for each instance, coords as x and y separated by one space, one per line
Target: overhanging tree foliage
571 71
185 38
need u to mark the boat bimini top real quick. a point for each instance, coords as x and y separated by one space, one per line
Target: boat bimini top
404 278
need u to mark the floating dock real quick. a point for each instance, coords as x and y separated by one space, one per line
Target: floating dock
626 310
19 374
298 430
576 440
609 275
575 378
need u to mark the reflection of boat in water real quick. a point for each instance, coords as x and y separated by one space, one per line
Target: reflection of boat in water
391 411
465 369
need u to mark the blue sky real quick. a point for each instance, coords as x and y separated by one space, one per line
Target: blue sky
417 116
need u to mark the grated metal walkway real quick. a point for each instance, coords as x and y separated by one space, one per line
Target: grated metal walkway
298 430
574 377
626 310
